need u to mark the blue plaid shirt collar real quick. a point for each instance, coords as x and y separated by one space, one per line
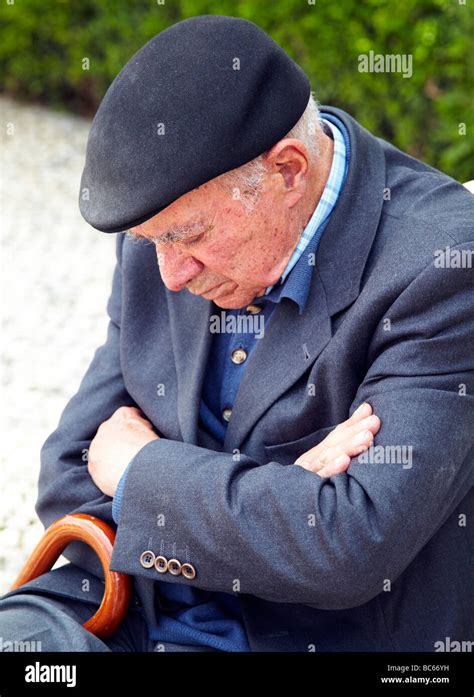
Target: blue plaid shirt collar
296 286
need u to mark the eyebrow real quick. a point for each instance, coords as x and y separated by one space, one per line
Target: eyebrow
176 233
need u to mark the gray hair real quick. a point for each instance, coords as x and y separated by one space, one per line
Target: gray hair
245 183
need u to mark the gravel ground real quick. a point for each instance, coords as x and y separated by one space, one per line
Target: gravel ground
56 278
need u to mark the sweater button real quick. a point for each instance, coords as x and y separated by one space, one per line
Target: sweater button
254 309
238 356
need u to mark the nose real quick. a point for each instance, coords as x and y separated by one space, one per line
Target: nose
177 268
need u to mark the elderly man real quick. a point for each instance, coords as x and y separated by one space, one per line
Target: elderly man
280 422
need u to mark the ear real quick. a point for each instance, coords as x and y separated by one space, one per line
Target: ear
289 157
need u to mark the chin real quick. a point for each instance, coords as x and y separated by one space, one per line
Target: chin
228 304
237 297
232 301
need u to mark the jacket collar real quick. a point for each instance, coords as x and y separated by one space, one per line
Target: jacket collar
348 238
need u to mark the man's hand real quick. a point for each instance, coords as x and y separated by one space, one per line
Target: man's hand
348 439
115 444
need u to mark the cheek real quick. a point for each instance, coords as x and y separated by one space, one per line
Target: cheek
245 248
223 258
225 254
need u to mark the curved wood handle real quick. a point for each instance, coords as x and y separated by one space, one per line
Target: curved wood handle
98 535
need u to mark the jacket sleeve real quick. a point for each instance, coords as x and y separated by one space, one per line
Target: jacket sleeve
65 485
282 533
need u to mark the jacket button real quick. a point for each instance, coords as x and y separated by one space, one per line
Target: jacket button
161 564
238 356
188 570
147 559
174 567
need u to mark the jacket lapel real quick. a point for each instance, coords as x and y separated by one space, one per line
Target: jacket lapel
346 243
191 338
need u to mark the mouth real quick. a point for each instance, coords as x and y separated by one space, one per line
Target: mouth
213 293
209 292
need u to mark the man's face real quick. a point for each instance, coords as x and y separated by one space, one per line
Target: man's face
229 255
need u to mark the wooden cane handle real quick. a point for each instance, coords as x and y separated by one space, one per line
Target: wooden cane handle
98 535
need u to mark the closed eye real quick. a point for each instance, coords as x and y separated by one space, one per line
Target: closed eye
194 240
199 237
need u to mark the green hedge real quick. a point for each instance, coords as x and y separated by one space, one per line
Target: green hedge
44 43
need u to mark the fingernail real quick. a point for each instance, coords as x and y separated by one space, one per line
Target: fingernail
361 408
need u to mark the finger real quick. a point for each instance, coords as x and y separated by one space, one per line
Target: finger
371 423
136 413
335 459
327 457
360 413
127 412
132 417
355 446
340 464
310 465
343 439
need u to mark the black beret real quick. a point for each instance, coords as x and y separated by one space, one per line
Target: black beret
204 96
